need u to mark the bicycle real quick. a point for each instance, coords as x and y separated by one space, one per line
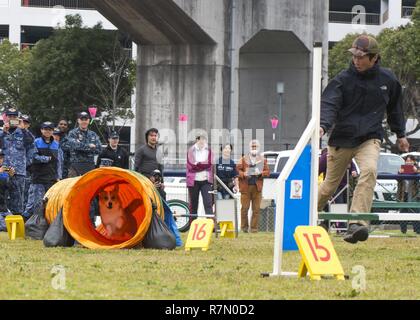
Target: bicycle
181 212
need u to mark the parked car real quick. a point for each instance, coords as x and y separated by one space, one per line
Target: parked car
385 190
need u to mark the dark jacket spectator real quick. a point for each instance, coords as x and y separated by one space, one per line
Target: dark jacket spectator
116 154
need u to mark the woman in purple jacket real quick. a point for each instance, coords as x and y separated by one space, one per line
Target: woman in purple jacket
200 175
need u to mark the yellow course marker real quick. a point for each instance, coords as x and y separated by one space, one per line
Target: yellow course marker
226 229
200 234
15 227
318 254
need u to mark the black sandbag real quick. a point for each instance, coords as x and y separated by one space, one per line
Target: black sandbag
36 226
57 235
3 216
158 236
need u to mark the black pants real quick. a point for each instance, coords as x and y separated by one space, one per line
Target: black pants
194 194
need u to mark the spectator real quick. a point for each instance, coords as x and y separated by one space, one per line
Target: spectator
5 174
83 145
200 175
114 154
148 158
63 126
251 168
25 123
46 168
409 191
15 146
226 171
57 135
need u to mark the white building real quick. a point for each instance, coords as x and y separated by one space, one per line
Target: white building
24 22
370 16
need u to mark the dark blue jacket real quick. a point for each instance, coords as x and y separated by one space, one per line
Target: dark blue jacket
47 159
4 185
353 105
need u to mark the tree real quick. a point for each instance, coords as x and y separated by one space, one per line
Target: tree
67 72
13 69
114 83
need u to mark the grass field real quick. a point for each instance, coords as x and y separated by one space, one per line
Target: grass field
229 270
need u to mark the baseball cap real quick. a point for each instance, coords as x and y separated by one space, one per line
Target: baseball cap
12 112
57 132
114 135
26 118
47 125
364 45
83 114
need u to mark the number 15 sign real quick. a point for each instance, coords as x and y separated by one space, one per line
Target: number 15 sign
200 234
318 254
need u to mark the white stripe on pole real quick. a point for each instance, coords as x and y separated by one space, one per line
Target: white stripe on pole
316 113
311 132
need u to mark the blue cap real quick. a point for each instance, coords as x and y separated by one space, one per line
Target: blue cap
26 118
114 135
47 124
12 112
83 114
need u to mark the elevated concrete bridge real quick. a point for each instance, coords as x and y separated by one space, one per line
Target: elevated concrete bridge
219 62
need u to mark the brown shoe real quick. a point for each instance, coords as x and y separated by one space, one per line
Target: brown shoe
254 231
244 230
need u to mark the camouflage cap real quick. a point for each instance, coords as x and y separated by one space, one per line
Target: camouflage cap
364 45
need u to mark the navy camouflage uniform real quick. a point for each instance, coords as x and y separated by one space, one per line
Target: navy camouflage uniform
16 146
46 168
82 157
65 147
30 138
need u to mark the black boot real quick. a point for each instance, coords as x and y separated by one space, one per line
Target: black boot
356 232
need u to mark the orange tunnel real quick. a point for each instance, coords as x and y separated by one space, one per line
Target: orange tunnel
74 196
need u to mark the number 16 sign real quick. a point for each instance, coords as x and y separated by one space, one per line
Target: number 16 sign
200 234
318 254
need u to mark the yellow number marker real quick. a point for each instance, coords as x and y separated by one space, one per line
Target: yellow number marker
200 234
318 254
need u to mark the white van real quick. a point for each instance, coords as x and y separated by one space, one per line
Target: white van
385 190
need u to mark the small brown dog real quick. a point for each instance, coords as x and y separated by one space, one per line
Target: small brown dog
119 222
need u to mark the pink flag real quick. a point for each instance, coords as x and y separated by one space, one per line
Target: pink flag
183 117
92 111
274 122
